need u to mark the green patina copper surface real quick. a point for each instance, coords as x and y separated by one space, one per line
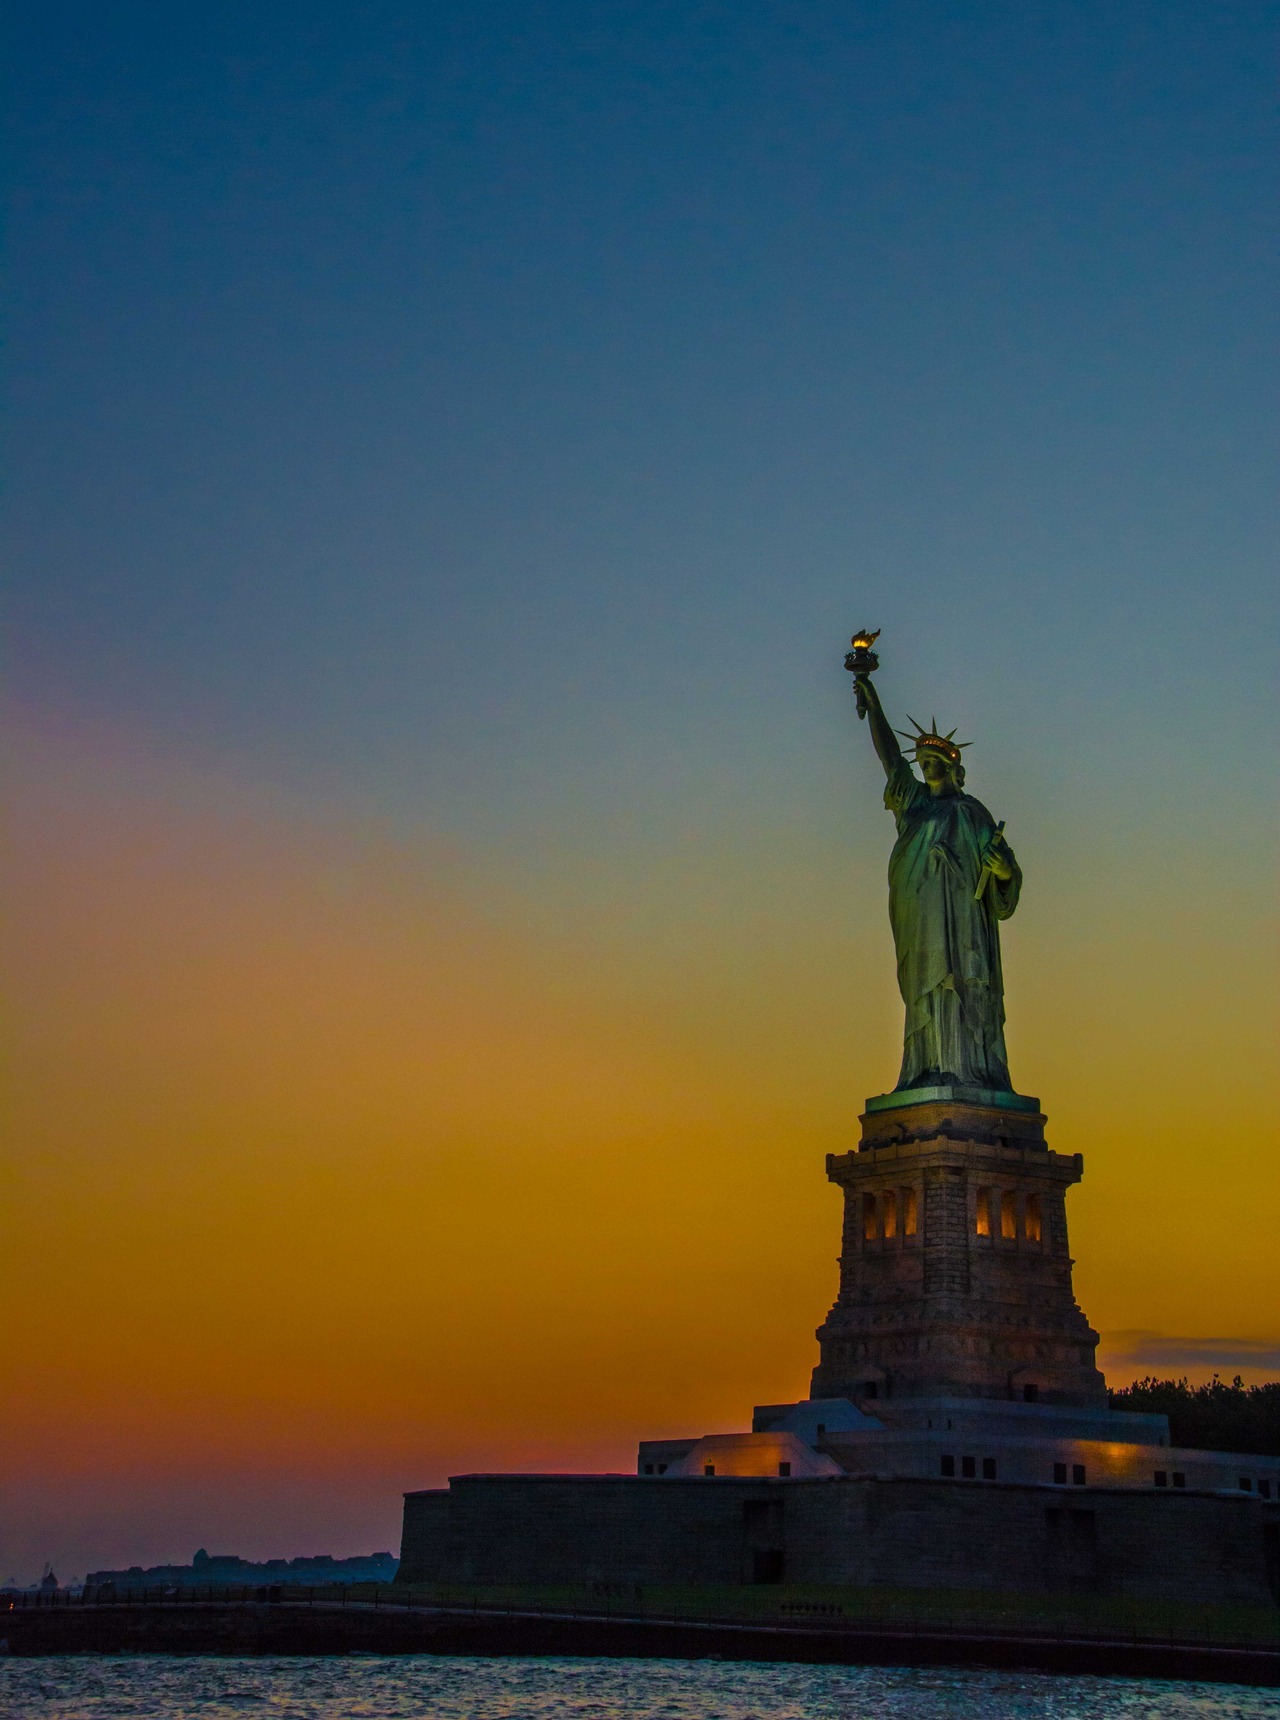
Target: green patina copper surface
952 879
902 1098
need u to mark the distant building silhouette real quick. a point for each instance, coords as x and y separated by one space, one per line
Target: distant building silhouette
225 1569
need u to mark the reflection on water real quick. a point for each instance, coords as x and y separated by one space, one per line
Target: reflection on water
428 1687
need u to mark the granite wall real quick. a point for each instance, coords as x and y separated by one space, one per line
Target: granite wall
547 1529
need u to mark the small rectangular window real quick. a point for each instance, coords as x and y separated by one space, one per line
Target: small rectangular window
648 1469
889 1204
710 1469
910 1212
982 1224
1077 1474
988 1469
869 1230
1264 1487
948 1466
1060 1474
1246 1486
1162 1477
968 1467
784 1469
1032 1222
1031 1394
1009 1215
1179 1479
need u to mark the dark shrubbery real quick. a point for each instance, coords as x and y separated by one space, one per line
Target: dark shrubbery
1215 1417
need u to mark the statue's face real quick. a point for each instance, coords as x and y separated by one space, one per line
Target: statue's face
936 772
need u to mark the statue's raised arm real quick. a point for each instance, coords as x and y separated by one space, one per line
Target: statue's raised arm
860 661
882 736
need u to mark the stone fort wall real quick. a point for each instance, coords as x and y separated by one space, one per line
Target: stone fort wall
545 1529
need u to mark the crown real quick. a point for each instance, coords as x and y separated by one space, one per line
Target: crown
929 740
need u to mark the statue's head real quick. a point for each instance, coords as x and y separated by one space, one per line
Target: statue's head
938 758
941 775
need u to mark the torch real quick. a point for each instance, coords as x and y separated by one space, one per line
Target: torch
862 660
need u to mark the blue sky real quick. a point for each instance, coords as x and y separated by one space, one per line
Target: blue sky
471 400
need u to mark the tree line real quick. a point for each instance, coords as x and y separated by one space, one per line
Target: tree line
1212 1417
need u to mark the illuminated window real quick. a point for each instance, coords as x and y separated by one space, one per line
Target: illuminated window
889 1202
984 1212
1032 1224
1009 1215
869 1230
909 1214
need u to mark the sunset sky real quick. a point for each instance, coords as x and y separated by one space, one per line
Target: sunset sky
448 450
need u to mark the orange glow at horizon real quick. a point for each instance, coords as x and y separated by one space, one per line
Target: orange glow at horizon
335 1170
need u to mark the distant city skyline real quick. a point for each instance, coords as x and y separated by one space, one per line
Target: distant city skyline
449 454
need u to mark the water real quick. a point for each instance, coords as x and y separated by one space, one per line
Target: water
431 1687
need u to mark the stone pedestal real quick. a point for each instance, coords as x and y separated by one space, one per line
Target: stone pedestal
955 1275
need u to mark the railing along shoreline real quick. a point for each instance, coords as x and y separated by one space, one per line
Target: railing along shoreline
795 1617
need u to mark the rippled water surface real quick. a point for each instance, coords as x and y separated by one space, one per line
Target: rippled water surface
446 1688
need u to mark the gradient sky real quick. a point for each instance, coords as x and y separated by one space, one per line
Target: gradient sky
448 449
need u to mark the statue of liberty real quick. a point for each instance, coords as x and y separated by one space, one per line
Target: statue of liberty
952 879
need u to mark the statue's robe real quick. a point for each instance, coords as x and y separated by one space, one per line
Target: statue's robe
947 936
